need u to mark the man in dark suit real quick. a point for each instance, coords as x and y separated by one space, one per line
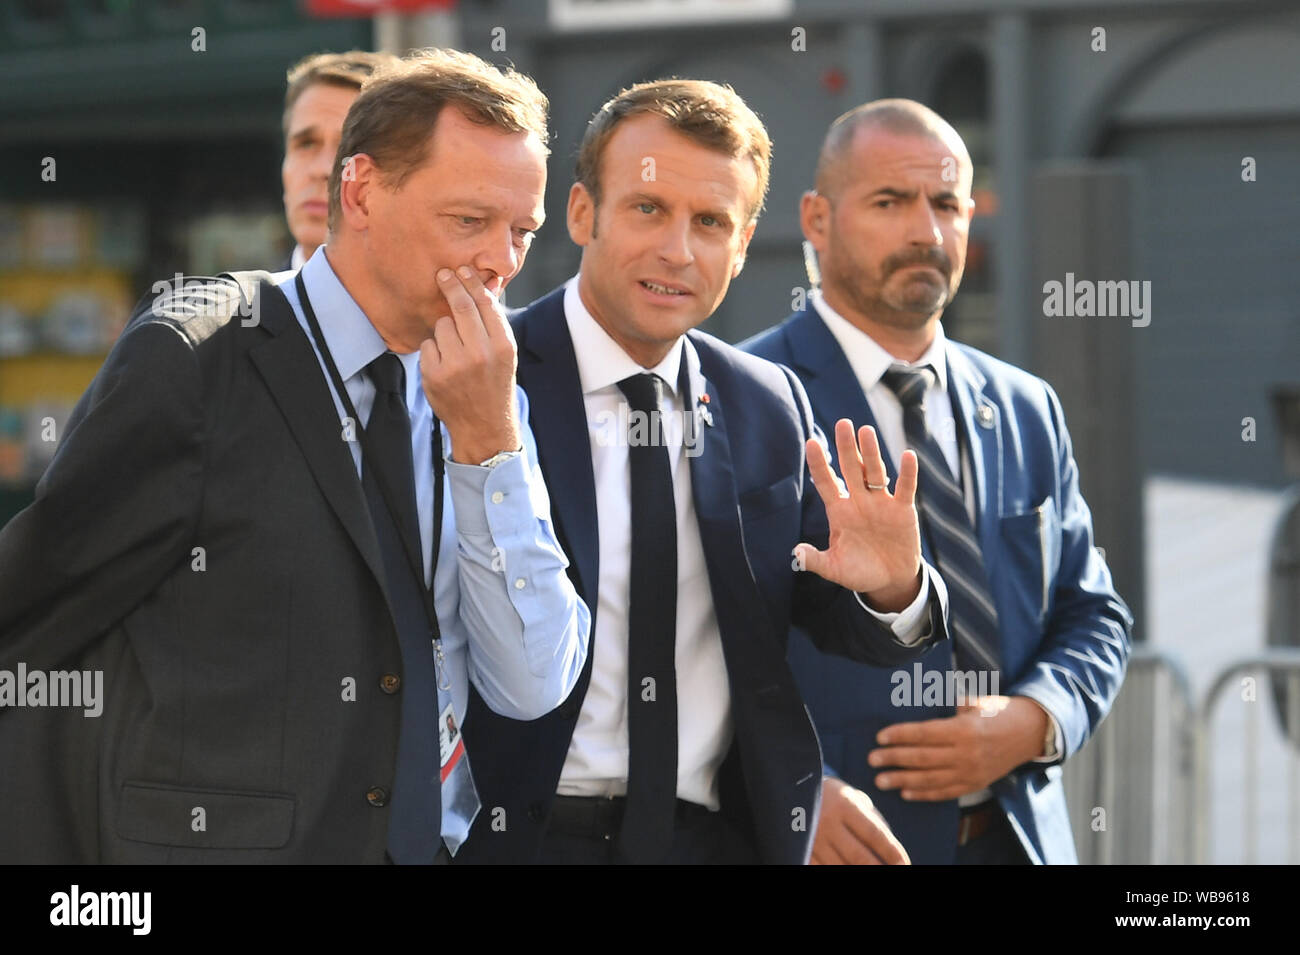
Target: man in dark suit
321 88
242 526
681 470
966 770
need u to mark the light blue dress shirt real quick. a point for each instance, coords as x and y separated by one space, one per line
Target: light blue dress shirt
510 618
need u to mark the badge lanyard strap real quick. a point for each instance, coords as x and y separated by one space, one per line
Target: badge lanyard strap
439 468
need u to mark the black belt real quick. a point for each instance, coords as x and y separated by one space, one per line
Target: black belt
601 816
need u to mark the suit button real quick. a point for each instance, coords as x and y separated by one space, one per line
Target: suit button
535 812
377 797
390 682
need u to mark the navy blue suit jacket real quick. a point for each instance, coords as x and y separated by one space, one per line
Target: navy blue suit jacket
755 501
1064 629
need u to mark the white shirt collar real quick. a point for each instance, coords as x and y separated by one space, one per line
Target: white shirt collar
867 359
297 259
602 362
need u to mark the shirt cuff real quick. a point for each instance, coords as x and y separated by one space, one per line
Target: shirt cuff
1053 754
504 488
911 625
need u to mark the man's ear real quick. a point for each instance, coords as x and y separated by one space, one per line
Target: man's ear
581 215
744 248
815 218
360 176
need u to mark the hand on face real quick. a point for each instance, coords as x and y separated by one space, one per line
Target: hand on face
468 370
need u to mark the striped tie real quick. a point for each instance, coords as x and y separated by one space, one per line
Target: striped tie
974 618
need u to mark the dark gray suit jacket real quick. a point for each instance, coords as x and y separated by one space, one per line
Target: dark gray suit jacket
202 539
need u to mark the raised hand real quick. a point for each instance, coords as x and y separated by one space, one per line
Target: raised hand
468 370
875 536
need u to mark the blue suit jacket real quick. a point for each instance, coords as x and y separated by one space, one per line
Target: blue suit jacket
1064 629
754 501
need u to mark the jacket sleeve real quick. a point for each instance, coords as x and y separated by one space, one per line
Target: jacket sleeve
831 615
116 508
1080 663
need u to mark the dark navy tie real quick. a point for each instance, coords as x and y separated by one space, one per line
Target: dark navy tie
947 526
647 831
415 822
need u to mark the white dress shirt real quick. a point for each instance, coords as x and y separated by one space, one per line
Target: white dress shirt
869 363
597 762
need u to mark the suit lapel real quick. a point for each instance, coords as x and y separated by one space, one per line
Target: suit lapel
717 511
828 378
548 372
981 423
292 374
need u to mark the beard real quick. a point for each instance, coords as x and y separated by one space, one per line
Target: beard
909 300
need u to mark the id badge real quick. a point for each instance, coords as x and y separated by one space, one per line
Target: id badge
451 745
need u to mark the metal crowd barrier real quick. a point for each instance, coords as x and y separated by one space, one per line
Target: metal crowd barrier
1129 789
1282 810
1144 789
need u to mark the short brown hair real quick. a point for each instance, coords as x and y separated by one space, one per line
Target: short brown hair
710 114
349 70
391 120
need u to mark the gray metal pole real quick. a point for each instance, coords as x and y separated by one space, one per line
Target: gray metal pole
1011 85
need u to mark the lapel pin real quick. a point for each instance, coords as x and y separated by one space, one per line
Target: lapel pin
984 413
702 408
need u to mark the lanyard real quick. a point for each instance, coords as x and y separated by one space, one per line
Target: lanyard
439 466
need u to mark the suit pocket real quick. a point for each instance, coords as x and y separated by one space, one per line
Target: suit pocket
762 501
203 818
1033 544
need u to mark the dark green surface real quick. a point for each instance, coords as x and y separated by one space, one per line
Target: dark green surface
13 500
131 72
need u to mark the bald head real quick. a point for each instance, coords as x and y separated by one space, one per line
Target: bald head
901 117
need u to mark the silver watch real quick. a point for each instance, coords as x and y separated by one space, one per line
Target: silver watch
498 458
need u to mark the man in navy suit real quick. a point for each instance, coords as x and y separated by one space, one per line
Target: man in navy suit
962 752
683 473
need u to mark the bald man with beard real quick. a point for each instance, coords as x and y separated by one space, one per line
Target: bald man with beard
961 752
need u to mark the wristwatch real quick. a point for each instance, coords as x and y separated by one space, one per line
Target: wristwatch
498 458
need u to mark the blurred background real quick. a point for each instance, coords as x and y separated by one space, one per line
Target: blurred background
1146 140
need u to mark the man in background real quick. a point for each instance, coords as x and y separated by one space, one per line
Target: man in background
321 89
1040 637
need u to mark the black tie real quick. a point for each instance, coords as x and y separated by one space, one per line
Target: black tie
647 830
947 526
415 823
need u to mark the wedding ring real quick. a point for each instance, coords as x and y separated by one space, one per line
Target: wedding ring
877 487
